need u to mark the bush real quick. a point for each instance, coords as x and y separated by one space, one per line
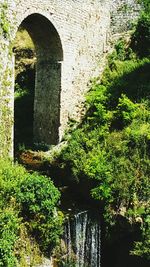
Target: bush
125 111
9 228
141 36
142 247
28 199
38 198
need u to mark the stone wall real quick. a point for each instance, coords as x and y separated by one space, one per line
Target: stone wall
71 39
123 14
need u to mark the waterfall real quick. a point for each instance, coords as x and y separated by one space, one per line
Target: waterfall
68 239
80 232
82 240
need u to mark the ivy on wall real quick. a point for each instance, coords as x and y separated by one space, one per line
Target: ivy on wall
5 81
4 23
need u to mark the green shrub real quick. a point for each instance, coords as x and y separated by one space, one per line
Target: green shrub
28 199
122 52
125 111
141 37
9 228
142 247
38 198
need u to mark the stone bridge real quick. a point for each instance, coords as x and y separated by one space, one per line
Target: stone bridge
71 39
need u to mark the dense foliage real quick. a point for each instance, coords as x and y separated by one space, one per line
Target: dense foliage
27 200
112 146
141 36
113 142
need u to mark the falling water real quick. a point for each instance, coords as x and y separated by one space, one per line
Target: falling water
68 239
82 240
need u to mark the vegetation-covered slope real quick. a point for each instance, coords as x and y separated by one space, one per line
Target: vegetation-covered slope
111 148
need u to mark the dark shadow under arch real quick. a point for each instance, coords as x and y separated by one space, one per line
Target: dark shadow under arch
49 54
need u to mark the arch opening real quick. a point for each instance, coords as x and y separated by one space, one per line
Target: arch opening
43 79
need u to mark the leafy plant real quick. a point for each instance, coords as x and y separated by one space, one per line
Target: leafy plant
38 211
4 22
142 247
9 227
31 200
141 37
125 111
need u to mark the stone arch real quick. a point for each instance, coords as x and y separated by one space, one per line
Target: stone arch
49 54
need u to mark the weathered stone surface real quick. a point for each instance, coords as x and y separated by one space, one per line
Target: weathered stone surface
123 14
71 38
